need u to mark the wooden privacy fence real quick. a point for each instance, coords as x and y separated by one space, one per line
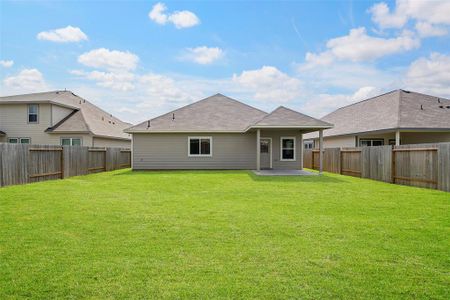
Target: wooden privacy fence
423 165
21 164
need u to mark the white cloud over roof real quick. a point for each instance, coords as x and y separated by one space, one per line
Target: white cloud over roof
63 35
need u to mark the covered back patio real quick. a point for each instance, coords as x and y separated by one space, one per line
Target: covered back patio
279 141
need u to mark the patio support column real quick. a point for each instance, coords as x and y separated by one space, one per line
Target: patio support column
397 138
258 149
320 151
301 150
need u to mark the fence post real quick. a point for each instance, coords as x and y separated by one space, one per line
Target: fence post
62 162
393 165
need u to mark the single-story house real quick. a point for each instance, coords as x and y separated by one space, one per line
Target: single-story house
395 118
59 118
222 133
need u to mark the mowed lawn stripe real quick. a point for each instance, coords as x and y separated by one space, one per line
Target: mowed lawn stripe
222 234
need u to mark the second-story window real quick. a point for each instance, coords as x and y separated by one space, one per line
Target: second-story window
33 113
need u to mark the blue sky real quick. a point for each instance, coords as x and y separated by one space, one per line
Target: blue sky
138 59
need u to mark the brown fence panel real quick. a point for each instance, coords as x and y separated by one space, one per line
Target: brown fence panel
97 160
376 163
125 158
416 165
307 158
45 162
331 160
351 161
31 163
76 161
14 164
444 167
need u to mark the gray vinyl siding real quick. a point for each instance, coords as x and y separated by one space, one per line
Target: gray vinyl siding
170 151
276 148
229 151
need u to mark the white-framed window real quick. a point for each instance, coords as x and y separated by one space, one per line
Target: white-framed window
287 151
371 142
308 144
70 141
33 113
17 140
199 146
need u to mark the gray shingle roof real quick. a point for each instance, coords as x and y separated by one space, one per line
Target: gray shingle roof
216 113
398 109
219 113
86 118
285 117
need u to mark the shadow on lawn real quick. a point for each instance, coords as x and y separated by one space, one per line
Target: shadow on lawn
280 178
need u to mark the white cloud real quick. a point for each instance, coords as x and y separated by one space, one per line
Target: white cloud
63 35
121 81
345 75
157 13
269 84
202 55
430 75
382 16
358 46
181 19
426 29
6 63
109 59
433 12
322 104
26 81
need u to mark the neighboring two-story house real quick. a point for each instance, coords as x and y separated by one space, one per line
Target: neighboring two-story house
59 118
395 118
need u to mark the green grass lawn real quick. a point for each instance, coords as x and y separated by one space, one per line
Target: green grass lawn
226 234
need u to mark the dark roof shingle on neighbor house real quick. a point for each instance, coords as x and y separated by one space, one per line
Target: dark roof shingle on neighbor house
86 117
219 113
398 109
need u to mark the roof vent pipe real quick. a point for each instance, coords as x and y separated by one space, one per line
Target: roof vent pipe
173 116
148 124
421 106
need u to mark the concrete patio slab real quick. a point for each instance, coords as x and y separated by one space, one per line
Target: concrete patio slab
284 173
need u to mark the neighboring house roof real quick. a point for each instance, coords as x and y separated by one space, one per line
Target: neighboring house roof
2 133
219 113
86 117
398 109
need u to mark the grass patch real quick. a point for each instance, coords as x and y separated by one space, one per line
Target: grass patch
222 234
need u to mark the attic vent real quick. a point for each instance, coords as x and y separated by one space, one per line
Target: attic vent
441 106
448 106
80 101
103 118
407 91
439 100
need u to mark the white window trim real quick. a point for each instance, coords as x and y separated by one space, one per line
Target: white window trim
268 138
71 138
309 142
281 147
371 141
19 140
200 137
28 113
